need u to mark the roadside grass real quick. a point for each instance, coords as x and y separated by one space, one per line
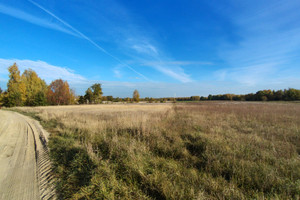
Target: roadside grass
181 151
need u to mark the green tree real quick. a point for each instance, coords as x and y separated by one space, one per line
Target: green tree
278 95
292 94
136 96
104 98
81 100
110 98
151 100
88 96
97 92
94 94
117 99
40 99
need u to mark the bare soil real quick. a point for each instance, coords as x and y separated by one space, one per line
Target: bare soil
25 168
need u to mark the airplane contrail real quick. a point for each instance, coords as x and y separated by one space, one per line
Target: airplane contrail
87 38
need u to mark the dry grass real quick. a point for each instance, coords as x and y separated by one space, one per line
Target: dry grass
211 150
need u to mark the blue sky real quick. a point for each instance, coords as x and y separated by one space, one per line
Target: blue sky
161 48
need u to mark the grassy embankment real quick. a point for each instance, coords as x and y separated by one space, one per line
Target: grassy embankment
188 151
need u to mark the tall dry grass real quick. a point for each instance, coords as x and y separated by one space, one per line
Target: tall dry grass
211 150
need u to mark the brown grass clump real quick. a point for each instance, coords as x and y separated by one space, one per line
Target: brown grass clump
205 150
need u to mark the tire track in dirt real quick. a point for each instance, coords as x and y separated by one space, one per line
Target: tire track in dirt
25 168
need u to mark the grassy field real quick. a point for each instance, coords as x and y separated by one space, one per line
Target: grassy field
211 150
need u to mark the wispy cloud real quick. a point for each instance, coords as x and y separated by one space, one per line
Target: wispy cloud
250 75
19 14
45 70
182 63
148 51
177 73
269 42
135 39
87 38
140 43
117 71
145 48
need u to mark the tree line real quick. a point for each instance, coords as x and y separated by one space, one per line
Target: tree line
28 89
93 95
290 94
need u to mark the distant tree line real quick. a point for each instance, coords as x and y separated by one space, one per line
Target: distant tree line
290 94
93 95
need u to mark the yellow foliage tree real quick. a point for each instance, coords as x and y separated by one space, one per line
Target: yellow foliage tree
136 96
35 88
16 88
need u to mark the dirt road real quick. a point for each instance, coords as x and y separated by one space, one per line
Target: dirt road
25 171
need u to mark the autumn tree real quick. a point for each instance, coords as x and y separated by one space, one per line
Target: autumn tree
72 97
278 95
59 93
36 88
292 94
195 98
1 96
110 98
136 96
127 99
104 98
16 88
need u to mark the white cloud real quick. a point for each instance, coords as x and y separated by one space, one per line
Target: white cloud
145 49
176 73
19 14
176 62
268 43
132 39
59 25
139 44
46 71
117 73
149 51
252 75
86 38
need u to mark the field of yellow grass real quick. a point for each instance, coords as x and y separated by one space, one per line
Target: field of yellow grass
209 150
